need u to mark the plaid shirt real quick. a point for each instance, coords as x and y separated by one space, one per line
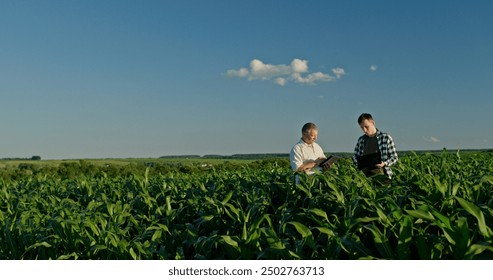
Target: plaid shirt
385 145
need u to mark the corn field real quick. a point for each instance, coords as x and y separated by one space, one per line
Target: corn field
438 206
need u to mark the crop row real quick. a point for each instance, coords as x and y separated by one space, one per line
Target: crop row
438 206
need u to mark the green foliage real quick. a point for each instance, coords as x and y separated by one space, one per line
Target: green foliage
438 206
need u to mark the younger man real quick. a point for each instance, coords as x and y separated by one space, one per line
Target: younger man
375 142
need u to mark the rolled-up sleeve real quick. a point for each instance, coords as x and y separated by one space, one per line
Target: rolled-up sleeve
296 157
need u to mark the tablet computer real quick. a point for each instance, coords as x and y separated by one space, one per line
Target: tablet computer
369 160
330 160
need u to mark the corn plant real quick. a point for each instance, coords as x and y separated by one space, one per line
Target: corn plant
438 206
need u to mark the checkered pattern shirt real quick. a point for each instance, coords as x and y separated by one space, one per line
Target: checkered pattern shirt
385 145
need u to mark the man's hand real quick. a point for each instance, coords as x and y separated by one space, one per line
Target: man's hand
309 165
327 166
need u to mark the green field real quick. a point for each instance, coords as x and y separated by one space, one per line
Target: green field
438 206
121 161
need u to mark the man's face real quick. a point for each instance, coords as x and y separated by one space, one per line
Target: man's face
368 127
311 136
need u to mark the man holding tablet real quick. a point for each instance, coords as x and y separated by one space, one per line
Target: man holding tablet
375 151
307 156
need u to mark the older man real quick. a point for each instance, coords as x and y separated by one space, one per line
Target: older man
306 155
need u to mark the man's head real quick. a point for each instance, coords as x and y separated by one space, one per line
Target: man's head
367 124
309 133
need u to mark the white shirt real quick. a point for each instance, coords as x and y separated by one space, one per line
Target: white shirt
303 152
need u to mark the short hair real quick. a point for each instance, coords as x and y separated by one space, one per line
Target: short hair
364 116
307 127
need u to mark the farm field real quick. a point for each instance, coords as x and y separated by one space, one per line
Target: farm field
13 164
438 206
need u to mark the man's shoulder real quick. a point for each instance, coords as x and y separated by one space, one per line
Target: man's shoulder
298 145
362 138
384 135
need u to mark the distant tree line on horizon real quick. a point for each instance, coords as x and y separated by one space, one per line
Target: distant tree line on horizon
235 156
31 158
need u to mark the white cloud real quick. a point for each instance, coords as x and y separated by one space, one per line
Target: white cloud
260 70
373 68
280 81
432 139
339 72
311 78
299 66
242 72
297 71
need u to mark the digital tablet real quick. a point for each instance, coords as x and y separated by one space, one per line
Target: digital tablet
369 161
330 160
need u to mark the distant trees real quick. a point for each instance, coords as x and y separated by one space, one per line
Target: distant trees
74 169
31 158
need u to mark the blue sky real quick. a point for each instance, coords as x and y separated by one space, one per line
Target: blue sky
97 79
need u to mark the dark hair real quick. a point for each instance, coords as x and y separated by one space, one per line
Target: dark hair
307 127
364 116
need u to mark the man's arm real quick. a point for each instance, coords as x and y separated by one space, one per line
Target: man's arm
358 150
391 152
298 163
307 166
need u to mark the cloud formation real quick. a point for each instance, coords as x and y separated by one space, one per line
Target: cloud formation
280 74
373 68
432 139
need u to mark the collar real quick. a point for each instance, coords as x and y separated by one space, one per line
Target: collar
377 134
304 143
